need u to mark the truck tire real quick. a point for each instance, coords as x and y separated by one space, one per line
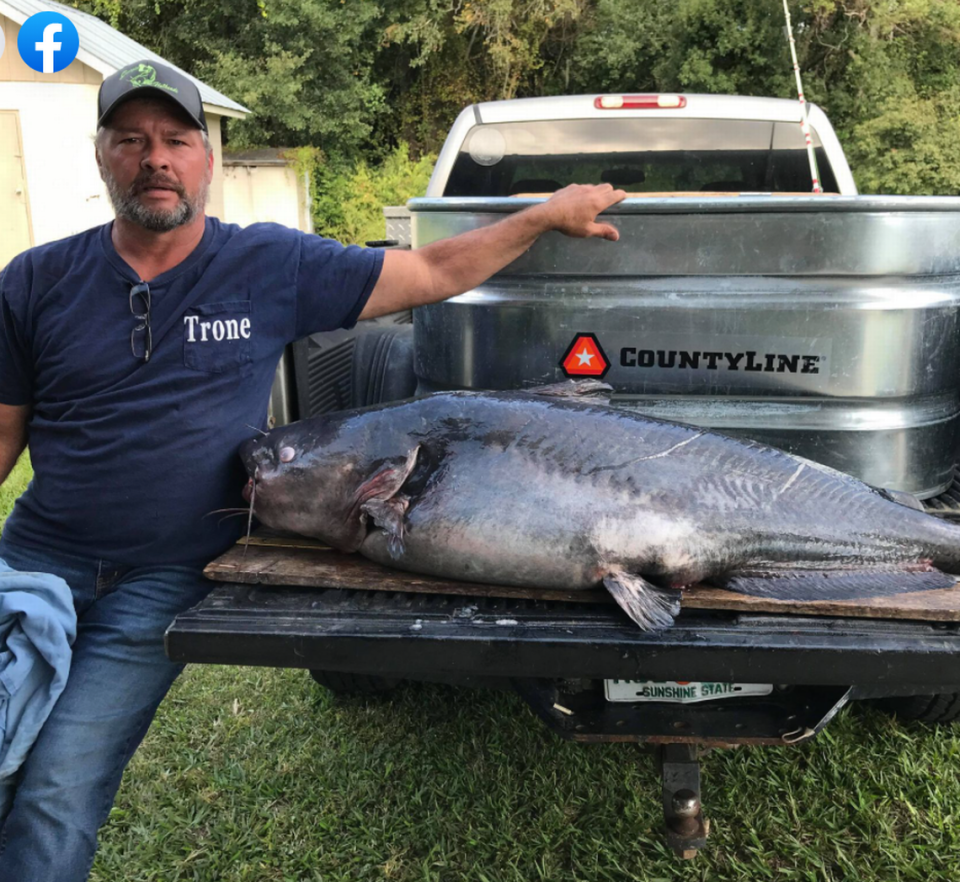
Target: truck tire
383 366
354 684
944 707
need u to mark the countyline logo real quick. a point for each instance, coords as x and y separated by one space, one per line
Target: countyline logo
145 75
219 329
585 358
48 42
765 362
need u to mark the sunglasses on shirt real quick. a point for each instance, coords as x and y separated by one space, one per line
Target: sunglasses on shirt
141 346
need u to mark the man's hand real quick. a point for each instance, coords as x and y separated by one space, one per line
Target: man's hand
451 266
572 210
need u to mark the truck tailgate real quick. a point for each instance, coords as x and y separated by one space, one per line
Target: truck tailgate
410 634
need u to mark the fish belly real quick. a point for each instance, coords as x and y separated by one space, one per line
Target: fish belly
490 520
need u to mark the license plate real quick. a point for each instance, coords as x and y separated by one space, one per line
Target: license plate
679 692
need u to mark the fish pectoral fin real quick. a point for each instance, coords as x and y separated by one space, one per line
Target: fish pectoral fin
574 389
651 607
388 515
813 585
387 480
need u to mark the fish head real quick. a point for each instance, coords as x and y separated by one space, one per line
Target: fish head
303 479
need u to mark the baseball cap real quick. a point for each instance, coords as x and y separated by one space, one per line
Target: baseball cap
148 78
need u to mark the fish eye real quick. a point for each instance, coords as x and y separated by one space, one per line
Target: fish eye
287 454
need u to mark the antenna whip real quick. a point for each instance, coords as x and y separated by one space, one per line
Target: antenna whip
814 173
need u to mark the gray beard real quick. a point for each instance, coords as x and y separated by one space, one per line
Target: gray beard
127 206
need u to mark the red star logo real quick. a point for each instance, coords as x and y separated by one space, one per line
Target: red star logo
585 358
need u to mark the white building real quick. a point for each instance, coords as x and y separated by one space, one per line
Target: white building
263 185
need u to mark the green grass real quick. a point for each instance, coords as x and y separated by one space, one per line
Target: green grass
258 775
15 484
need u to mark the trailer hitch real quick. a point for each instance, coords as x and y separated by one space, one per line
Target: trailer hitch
687 828
677 735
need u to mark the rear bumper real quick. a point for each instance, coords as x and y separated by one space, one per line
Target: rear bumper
418 635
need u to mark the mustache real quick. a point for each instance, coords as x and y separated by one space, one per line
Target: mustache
148 181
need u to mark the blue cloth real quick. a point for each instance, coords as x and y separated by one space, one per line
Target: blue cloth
37 626
118 676
129 456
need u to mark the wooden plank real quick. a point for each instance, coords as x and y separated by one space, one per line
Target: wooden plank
269 536
319 567
287 542
278 559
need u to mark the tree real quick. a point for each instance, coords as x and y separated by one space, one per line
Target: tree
885 72
303 66
892 73
442 55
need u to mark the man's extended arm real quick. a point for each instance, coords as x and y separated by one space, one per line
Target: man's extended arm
451 266
13 436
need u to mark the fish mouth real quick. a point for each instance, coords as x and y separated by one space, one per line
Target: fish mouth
248 490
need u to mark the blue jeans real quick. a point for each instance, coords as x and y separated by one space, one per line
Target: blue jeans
118 676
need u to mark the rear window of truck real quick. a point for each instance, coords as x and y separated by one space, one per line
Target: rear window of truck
653 155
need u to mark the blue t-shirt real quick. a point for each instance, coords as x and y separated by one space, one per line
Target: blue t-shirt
129 457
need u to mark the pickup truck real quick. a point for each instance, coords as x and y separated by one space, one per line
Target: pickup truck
823 324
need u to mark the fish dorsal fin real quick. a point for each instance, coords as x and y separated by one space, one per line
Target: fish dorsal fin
902 497
650 607
574 389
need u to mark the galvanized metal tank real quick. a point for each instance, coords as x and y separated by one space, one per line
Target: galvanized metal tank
827 326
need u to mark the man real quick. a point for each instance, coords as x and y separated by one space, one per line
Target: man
133 357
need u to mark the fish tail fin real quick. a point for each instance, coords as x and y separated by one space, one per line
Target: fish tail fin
944 551
935 538
649 606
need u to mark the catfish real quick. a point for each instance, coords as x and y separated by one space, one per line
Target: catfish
549 488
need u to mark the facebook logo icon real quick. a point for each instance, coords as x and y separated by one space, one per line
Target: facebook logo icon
48 42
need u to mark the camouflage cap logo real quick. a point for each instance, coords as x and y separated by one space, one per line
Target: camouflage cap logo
145 75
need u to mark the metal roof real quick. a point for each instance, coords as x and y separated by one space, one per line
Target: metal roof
106 50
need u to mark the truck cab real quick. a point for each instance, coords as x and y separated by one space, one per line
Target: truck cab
644 144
